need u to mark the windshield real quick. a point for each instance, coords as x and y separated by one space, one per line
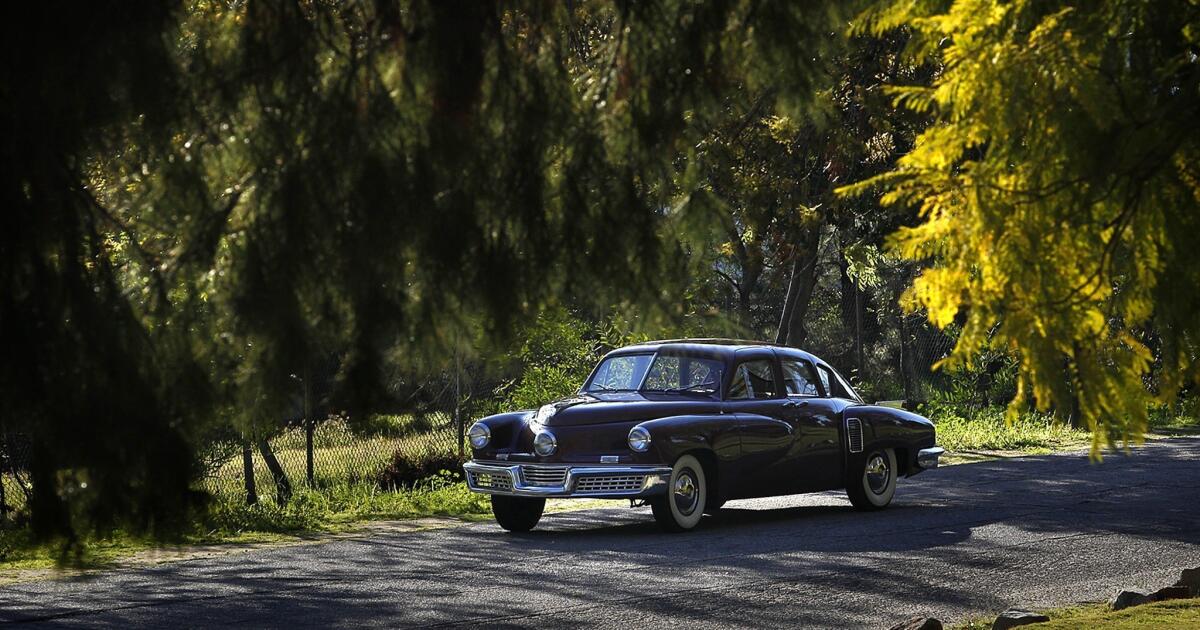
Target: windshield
658 373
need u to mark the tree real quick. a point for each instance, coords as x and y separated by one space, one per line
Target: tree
1059 193
201 197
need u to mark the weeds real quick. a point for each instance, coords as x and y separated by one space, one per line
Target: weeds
985 429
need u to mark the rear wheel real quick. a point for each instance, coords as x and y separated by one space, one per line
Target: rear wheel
683 505
872 488
517 514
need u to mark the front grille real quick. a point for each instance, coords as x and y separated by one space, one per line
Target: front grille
610 483
491 481
854 435
544 476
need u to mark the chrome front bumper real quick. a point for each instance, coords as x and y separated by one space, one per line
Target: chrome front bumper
928 457
560 480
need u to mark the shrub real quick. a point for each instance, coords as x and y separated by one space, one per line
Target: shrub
405 470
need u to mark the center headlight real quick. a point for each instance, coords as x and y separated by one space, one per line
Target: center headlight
479 434
544 443
639 439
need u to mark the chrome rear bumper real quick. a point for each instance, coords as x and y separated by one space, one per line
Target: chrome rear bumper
559 480
928 457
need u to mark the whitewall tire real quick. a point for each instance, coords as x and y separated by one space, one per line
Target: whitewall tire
683 505
874 484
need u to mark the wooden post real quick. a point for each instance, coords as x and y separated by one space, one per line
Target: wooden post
248 473
458 423
3 497
308 429
283 487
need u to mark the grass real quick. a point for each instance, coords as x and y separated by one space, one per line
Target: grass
1169 421
986 430
230 520
340 456
1179 614
345 493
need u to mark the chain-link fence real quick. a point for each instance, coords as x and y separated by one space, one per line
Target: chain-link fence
14 478
335 451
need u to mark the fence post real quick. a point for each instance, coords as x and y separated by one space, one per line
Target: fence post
3 495
308 428
248 473
283 487
3 469
458 423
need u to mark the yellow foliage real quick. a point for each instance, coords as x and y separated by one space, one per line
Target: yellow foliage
1059 195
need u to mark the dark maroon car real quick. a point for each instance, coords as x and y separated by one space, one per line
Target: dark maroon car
688 425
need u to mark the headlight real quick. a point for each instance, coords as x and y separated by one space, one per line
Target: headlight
544 443
639 439
479 434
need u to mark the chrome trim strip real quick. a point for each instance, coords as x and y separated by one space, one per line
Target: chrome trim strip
656 480
928 457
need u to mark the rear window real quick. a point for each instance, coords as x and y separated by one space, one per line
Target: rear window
753 379
798 378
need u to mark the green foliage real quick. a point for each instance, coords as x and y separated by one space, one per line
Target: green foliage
1058 194
311 509
557 355
974 429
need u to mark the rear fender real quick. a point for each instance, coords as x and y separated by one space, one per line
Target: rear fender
883 428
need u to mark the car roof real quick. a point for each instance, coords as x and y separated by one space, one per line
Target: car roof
720 348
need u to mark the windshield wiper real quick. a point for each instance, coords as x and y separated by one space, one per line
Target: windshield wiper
606 388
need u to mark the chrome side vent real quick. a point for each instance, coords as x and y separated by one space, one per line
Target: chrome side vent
854 436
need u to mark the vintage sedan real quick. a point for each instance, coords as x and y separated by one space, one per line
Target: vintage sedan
687 425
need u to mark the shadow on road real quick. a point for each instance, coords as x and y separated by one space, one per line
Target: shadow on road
959 539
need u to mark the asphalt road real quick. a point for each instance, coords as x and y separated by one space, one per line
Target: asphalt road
1035 532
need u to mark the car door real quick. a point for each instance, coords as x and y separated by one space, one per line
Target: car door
814 461
755 397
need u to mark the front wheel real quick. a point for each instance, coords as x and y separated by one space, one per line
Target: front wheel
517 514
683 505
872 488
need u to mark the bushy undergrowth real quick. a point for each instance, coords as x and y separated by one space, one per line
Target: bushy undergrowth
970 429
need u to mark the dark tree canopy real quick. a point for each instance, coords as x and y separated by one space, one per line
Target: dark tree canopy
203 196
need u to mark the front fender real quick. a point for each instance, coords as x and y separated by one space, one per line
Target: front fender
713 438
505 428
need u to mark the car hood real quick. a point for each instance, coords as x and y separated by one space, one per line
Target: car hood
604 408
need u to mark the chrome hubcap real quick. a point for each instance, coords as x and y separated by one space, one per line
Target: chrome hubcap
878 474
686 495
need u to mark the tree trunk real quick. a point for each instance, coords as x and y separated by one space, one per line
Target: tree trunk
283 487
248 474
789 302
802 283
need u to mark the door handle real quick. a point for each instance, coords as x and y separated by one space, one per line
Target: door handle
794 403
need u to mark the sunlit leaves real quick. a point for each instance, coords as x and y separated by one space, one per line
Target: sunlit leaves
1052 190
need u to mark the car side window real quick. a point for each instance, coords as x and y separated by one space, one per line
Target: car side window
753 379
798 378
825 379
834 385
